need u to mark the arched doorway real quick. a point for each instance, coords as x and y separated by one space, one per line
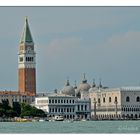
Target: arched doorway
67 116
136 116
123 116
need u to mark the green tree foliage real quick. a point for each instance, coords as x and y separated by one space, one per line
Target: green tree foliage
5 109
27 110
19 110
2 112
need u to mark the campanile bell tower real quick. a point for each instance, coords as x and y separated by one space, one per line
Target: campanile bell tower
26 62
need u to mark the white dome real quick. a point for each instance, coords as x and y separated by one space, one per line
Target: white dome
84 86
68 90
93 88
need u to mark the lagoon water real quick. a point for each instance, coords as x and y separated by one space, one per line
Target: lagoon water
76 127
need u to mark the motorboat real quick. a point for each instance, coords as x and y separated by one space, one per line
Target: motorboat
58 118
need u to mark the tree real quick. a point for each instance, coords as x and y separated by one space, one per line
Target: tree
27 110
2 112
11 113
17 108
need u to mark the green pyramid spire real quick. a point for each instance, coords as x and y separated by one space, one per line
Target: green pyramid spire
26 35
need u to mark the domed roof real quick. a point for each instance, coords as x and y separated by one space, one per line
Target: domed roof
68 90
84 86
93 88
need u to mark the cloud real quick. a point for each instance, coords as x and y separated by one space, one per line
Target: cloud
61 46
126 39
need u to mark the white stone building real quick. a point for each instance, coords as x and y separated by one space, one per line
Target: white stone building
70 107
64 103
113 103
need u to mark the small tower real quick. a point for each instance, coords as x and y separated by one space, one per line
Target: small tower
94 84
26 62
84 78
100 83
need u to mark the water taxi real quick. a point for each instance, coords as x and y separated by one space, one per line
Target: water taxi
58 118
23 120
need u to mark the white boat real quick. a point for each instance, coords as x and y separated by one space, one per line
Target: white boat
58 118
83 120
41 120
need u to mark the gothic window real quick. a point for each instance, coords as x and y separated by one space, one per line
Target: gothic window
73 109
115 99
55 101
67 109
85 107
99 100
78 107
127 99
61 101
81 107
104 100
109 99
138 99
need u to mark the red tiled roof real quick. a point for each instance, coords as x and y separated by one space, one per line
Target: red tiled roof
17 93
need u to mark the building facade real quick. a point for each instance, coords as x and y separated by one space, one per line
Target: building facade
111 103
59 104
13 97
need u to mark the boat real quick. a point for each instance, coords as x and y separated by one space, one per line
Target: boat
41 120
23 120
58 118
83 120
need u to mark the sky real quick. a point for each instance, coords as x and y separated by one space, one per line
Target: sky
103 42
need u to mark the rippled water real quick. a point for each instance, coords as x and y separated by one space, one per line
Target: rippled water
71 127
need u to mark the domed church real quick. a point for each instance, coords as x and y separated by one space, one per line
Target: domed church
68 89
